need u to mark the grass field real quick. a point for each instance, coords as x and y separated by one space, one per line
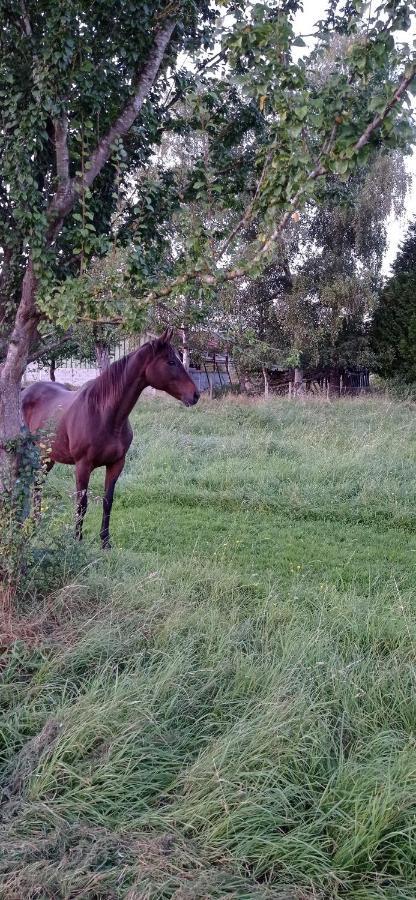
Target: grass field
224 705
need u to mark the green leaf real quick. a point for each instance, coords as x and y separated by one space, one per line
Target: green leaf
301 112
341 166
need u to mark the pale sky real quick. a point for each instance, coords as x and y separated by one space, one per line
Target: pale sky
304 22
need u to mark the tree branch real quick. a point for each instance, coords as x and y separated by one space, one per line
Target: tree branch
320 170
26 21
130 113
317 171
63 201
51 348
23 329
247 215
379 118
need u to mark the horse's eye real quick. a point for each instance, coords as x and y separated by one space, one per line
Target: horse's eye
172 362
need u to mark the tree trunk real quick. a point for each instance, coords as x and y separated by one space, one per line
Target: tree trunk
102 356
11 373
246 384
186 357
10 423
298 386
266 383
52 368
334 383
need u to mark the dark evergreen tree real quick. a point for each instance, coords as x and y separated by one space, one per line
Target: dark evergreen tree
393 331
405 262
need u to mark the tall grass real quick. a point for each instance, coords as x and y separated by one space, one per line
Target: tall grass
224 705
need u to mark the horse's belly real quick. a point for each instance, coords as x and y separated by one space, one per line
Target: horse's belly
105 452
98 449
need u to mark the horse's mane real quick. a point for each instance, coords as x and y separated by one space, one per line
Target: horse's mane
107 387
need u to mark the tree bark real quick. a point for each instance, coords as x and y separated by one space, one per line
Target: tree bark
266 383
102 355
186 357
11 374
10 423
52 368
298 386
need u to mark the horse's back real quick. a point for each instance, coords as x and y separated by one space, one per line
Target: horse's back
45 401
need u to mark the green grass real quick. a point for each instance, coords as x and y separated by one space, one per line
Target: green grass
224 705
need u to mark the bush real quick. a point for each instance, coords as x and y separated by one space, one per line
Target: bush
36 555
396 388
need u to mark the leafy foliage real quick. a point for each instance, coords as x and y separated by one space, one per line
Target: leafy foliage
259 112
341 245
74 68
310 307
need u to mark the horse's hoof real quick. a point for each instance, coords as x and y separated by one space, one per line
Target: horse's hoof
106 545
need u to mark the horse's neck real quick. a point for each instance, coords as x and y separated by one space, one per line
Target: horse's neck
132 384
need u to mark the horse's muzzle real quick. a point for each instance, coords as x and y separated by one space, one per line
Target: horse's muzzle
194 400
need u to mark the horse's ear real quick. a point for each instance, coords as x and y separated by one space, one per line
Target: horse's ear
167 336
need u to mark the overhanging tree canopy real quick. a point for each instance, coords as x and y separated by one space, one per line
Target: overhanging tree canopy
74 79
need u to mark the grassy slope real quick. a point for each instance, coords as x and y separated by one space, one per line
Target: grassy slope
225 704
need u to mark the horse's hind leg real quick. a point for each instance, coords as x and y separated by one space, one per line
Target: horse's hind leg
111 475
82 476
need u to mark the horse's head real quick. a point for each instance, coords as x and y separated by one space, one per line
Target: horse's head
165 371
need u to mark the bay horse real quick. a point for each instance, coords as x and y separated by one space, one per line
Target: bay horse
90 427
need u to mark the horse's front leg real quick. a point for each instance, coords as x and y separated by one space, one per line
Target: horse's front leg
82 476
111 475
